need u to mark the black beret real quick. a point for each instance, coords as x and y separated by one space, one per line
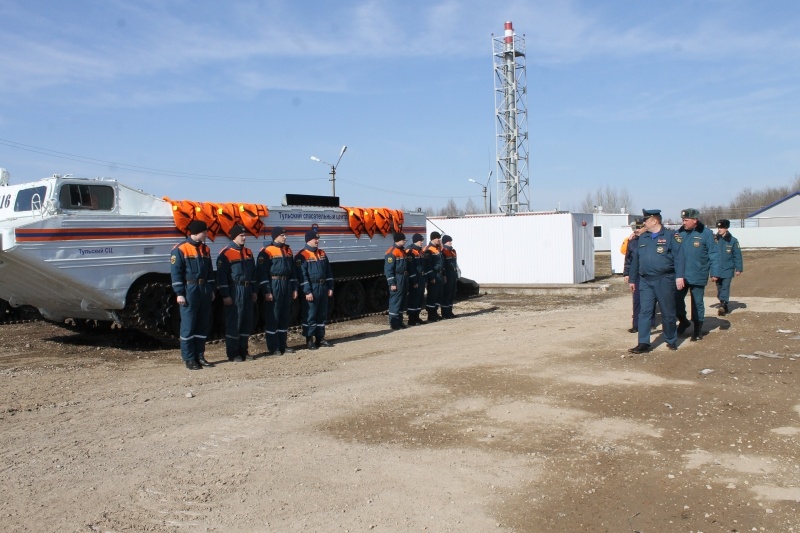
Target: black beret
435 235
277 231
196 226
311 234
237 230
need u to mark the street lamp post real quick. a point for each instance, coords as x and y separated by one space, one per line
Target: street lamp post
485 190
333 167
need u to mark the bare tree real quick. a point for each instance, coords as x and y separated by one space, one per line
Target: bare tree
748 201
470 208
450 209
609 199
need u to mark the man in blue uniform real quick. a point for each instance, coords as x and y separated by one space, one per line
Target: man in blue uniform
396 270
450 276
275 272
701 257
434 267
656 266
236 282
629 246
316 283
416 279
731 264
193 282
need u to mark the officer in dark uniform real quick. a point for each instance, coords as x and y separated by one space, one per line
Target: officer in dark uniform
731 263
193 282
395 267
316 283
416 279
236 282
630 245
655 266
434 269
701 257
450 276
275 272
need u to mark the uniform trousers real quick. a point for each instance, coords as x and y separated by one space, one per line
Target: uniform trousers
661 290
724 289
195 321
277 314
397 300
416 296
698 306
449 293
239 322
434 296
315 313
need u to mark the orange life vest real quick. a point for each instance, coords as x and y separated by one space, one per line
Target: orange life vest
355 219
369 221
228 216
397 220
250 215
383 220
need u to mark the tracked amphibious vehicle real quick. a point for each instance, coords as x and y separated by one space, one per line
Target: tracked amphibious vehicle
98 250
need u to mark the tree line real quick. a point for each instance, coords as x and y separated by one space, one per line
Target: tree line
613 200
748 201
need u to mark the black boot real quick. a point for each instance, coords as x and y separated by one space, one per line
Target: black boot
640 348
323 343
310 343
683 325
698 331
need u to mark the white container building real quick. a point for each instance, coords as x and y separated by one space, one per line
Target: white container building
526 248
603 223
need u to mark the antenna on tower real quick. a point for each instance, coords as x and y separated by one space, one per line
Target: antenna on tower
511 125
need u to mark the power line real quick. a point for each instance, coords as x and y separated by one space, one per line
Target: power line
174 173
399 192
136 168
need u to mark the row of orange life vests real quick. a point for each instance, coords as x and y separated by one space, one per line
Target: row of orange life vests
371 220
221 217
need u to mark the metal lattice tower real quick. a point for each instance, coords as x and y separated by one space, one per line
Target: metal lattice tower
511 126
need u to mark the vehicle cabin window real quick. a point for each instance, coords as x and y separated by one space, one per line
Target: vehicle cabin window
92 197
598 231
30 199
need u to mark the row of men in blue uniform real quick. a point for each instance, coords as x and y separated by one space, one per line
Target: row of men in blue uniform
276 273
410 272
663 266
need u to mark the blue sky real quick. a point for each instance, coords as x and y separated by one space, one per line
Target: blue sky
681 103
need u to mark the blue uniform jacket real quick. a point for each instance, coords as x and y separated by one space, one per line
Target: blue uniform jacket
700 254
433 262
414 264
633 244
235 266
190 264
313 269
275 260
657 255
730 255
450 261
395 265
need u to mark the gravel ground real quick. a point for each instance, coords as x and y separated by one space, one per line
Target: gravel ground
524 414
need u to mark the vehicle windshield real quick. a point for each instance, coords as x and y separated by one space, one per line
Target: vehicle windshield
30 199
92 197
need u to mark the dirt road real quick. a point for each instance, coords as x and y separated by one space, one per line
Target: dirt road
525 414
